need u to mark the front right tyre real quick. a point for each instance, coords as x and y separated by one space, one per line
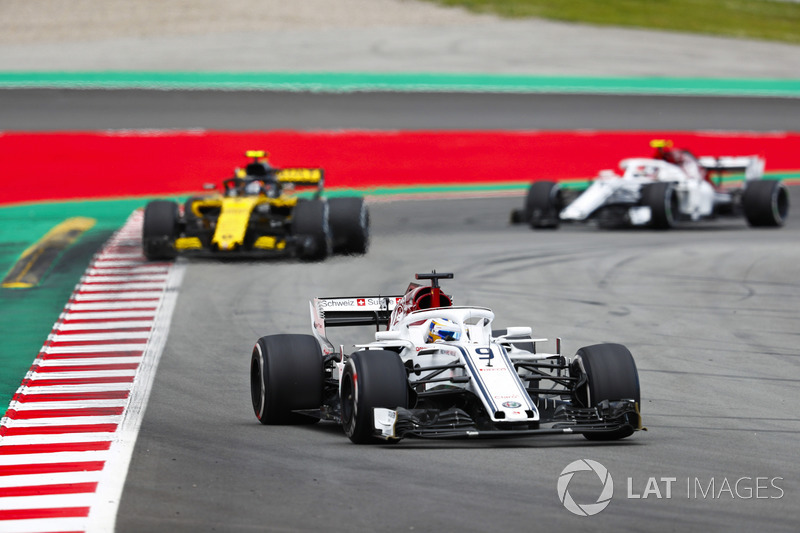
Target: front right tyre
662 199
311 228
611 374
349 220
371 378
543 205
765 203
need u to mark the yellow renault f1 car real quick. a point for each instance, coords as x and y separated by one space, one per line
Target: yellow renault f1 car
258 212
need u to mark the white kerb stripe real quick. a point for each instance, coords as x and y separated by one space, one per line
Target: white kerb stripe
100 326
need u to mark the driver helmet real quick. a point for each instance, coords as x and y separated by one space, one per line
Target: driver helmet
442 329
253 188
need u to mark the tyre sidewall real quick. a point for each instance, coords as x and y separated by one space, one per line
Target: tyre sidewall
372 378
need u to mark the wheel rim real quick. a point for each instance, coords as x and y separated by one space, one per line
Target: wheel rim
348 405
780 204
671 207
257 392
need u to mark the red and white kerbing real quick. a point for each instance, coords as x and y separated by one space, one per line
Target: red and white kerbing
69 432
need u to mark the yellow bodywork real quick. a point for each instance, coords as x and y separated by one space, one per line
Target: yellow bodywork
233 221
188 243
269 243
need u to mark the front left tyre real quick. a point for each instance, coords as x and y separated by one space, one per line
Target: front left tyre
286 375
160 229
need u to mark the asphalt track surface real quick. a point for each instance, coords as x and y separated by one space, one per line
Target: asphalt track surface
709 312
69 109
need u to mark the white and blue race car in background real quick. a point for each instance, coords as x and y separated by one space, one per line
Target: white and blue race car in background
439 370
661 192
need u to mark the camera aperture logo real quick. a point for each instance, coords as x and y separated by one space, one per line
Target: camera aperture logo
606 492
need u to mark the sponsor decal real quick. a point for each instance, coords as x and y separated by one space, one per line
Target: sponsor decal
512 405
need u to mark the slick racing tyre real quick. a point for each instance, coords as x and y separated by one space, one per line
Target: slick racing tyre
765 203
610 375
662 199
543 205
286 374
311 228
372 378
159 230
349 220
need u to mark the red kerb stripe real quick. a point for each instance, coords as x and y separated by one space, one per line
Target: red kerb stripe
32 514
33 414
124 310
57 430
89 355
48 490
98 343
138 329
77 381
70 320
24 449
84 368
72 396
50 468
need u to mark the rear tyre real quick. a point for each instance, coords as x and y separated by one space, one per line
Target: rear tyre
765 203
286 374
311 228
662 199
610 375
160 229
543 205
349 219
372 378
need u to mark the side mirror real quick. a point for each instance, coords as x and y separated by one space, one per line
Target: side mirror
388 336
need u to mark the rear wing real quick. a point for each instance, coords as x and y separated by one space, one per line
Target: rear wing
751 165
349 311
301 176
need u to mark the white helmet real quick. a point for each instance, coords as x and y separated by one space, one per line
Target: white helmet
252 188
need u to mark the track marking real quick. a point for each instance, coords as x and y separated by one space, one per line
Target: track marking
67 437
34 262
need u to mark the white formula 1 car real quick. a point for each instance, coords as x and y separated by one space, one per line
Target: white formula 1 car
660 192
439 370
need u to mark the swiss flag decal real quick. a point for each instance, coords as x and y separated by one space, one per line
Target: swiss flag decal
361 301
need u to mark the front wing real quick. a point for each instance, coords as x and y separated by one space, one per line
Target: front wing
263 246
562 418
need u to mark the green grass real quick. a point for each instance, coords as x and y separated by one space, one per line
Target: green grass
753 19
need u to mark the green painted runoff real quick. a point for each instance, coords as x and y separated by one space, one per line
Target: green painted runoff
420 82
